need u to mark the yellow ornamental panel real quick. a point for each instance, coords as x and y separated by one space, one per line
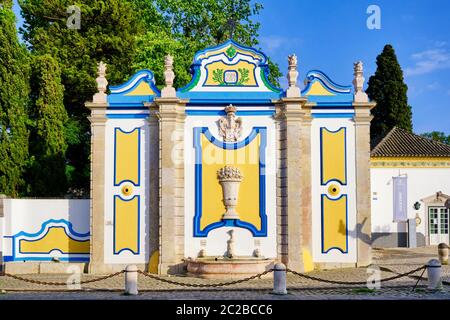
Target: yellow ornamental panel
239 74
126 156
126 225
333 156
55 239
246 159
142 89
318 89
334 224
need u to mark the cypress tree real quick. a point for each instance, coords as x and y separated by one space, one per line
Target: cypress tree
14 90
389 90
47 138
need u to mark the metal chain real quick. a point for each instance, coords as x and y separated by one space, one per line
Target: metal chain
216 285
352 282
49 283
200 285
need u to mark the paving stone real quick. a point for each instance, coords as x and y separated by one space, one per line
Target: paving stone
397 260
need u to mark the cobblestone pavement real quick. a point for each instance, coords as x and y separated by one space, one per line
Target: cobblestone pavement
396 260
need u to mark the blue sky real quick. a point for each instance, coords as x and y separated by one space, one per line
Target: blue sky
331 34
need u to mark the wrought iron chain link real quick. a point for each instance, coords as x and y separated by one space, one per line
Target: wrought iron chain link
49 283
201 285
221 284
353 282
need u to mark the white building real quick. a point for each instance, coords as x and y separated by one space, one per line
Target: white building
425 167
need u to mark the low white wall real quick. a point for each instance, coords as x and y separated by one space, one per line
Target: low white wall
422 182
31 218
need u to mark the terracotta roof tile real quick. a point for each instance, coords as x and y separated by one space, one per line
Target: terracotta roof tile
401 143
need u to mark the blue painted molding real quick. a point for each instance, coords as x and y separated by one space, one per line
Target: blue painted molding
207 112
317 75
31 256
138 183
322 182
115 252
322 224
198 131
333 115
261 55
127 116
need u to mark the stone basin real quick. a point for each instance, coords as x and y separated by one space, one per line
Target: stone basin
226 268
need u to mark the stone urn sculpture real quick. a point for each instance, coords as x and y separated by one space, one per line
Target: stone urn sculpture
230 178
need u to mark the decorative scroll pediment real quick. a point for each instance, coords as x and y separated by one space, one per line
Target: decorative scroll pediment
230 71
140 88
322 90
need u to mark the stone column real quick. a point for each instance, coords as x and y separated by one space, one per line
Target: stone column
153 185
291 185
362 120
97 208
171 185
363 205
306 195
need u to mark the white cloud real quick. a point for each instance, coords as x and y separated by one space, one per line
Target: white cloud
429 60
433 86
270 44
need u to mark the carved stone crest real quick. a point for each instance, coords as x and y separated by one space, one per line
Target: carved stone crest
230 126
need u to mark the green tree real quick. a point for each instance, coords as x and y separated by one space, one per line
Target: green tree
14 90
437 136
181 28
48 146
389 90
107 33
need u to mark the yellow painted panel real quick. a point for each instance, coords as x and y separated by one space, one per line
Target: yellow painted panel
56 238
247 160
154 262
334 222
333 156
126 224
308 264
142 89
225 67
127 156
317 89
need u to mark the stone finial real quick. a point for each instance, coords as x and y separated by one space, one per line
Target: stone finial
358 83
102 83
169 76
230 126
293 90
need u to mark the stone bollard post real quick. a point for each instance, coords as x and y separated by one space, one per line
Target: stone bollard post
434 272
443 253
131 280
279 279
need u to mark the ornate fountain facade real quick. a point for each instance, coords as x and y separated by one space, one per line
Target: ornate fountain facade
229 174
